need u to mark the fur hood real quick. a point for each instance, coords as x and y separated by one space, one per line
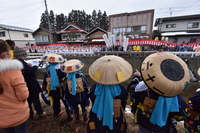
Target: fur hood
10 64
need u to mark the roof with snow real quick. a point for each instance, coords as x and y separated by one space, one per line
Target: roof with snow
15 28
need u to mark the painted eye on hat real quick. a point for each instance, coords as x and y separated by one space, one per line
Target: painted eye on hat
148 65
172 70
165 73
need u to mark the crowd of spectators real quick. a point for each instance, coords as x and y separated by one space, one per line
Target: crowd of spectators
60 48
97 48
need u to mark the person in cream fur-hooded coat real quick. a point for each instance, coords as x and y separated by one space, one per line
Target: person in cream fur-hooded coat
14 108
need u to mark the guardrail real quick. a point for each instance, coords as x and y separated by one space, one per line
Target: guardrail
39 55
130 53
192 54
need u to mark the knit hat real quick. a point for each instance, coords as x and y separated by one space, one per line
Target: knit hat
165 73
110 70
72 66
52 58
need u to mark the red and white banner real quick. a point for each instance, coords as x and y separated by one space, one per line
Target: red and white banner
130 42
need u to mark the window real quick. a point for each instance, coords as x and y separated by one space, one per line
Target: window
25 35
41 38
124 29
139 29
65 37
128 29
171 26
143 29
193 40
193 25
121 30
175 40
78 36
2 34
115 30
134 29
45 39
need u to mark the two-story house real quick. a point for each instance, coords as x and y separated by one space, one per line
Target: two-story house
95 37
180 29
73 34
21 36
134 25
42 36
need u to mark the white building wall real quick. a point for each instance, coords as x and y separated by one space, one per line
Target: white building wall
181 25
18 37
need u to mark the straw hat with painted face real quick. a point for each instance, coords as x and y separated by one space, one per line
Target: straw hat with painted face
110 70
165 73
72 66
52 58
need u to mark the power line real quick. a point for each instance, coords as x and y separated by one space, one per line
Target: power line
188 6
28 21
8 8
175 7
24 14
158 12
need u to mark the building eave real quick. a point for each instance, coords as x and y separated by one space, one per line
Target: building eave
179 33
157 21
95 30
15 28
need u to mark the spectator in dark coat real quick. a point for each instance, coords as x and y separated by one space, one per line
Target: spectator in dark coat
33 85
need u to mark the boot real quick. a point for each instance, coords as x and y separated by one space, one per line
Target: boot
77 118
85 118
43 114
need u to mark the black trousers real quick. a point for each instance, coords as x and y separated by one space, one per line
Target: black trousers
57 105
35 100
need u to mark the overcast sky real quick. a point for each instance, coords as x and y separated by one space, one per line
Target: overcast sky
27 13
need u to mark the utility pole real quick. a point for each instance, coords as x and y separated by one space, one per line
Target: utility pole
51 36
170 11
